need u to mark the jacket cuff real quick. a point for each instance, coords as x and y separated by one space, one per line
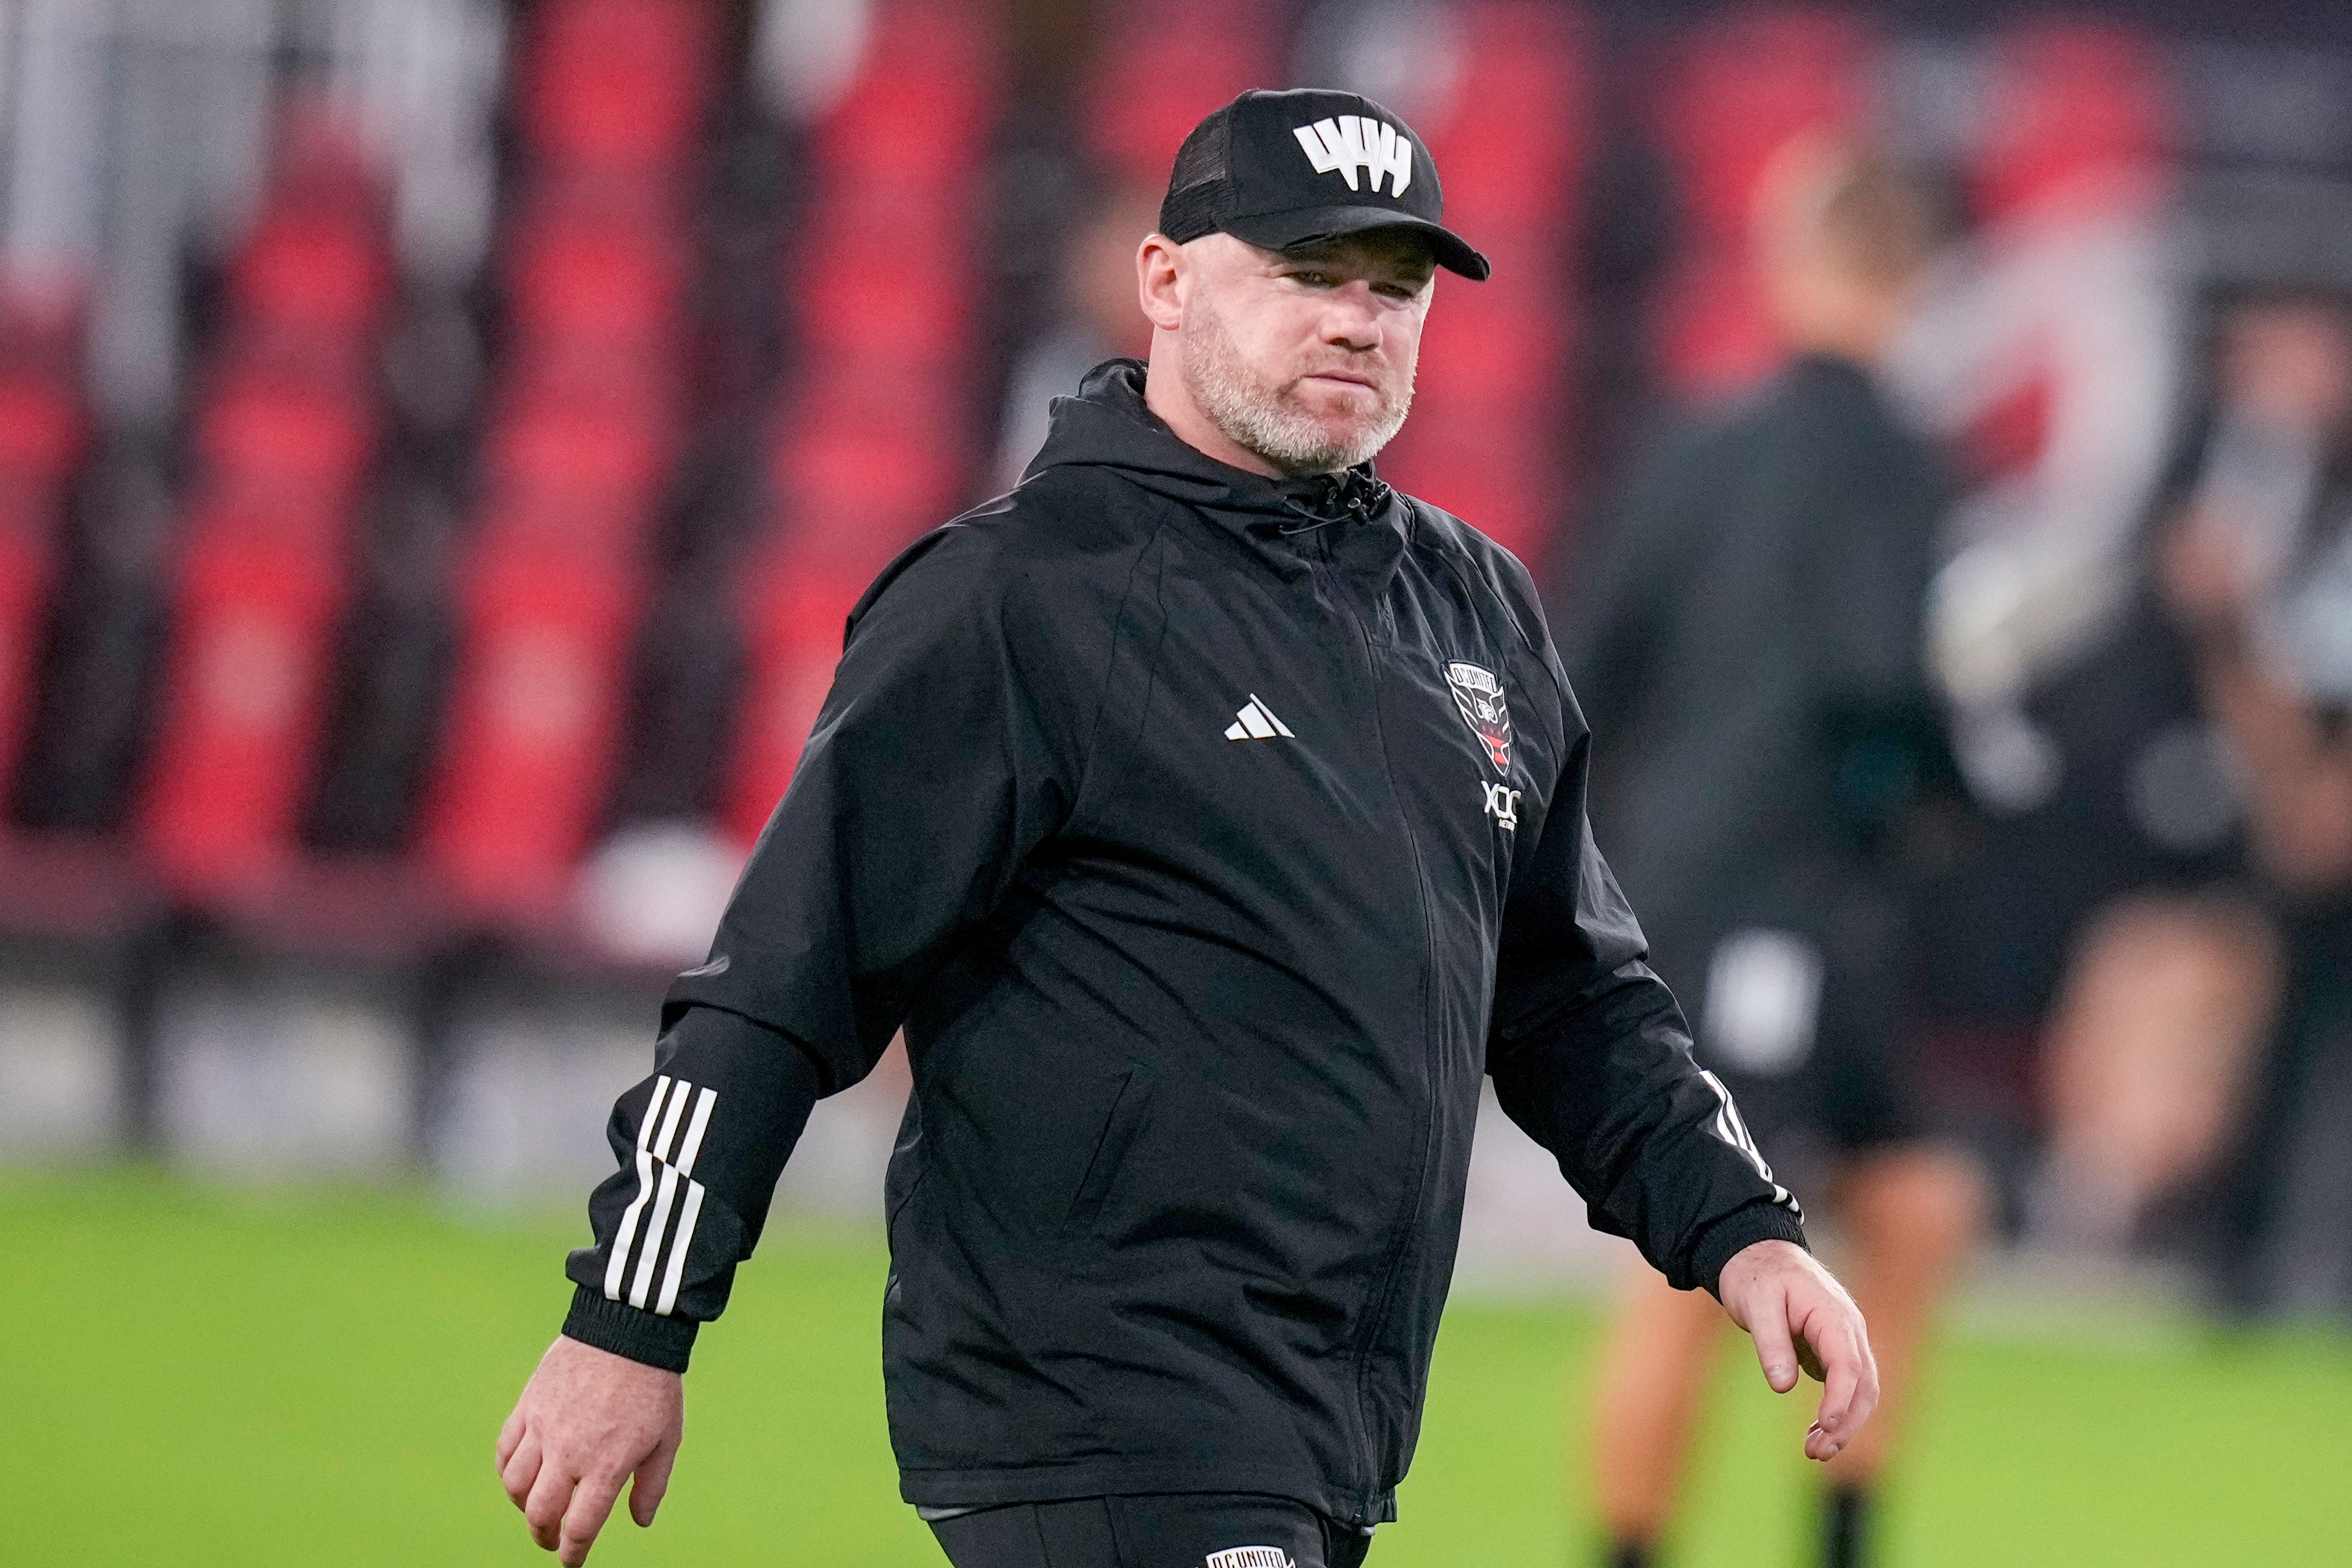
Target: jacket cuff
1763 1220
626 1330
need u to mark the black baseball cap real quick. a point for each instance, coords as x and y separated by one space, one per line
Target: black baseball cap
1286 169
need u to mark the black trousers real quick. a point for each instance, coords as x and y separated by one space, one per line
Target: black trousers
1181 1531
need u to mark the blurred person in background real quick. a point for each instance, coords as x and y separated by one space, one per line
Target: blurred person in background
1752 644
2188 853
1093 319
2256 565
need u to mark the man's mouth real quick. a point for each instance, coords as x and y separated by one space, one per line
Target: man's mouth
1345 378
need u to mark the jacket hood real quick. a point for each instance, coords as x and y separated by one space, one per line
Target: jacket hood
1107 423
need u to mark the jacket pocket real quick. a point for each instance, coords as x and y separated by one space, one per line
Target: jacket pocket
1129 1103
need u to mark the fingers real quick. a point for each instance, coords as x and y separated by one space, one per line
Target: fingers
652 1484
1850 1386
543 1510
589 1507
510 1437
587 1422
1828 1433
519 1468
1769 1322
1809 1361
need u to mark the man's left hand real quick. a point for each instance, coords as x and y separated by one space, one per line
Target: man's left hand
1799 1316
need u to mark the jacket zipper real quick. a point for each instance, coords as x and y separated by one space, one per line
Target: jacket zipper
1344 593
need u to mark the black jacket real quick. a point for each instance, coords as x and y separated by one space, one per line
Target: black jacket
1166 808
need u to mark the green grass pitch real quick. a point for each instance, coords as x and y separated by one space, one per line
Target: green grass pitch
194 1375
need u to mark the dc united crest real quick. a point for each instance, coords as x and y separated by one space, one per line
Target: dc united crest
1479 696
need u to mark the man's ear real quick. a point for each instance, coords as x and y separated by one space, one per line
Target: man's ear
1162 274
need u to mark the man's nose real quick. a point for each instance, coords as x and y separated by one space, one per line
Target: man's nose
1352 319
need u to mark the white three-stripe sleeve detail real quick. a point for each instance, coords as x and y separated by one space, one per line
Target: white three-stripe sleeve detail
669 1122
1733 1131
703 1104
1732 1128
618 1267
651 1252
679 1249
688 1216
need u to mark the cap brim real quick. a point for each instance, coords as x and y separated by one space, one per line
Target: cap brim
1284 231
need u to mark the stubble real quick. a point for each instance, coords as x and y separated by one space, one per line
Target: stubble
1266 418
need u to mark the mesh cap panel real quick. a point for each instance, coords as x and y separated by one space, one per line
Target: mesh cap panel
1198 185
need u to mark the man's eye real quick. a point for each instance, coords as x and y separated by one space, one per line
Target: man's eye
1313 279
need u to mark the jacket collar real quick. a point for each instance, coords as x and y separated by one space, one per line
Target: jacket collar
1351 517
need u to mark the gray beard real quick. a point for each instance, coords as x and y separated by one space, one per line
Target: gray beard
1260 419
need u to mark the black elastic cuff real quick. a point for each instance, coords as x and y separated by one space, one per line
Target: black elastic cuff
625 1330
1763 1220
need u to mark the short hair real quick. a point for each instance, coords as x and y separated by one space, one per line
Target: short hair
1865 212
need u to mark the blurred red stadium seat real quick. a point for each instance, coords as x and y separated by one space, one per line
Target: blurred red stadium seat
43 431
2078 111
583 437
575 449
917 117
242 698
897 308
885 331
860 487
530 725
575 272
1711 326
1740 86
322 162
282 440
1501 341
26 567
1493 410
313 271
44 316
1521 132
1161 67
1742 83
45 439
797 610
615 84
294 435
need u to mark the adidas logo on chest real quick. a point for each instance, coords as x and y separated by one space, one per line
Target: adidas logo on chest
1256 721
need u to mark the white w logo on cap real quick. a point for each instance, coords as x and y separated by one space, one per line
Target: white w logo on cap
1349 142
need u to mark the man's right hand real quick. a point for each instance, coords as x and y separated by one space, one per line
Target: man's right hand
587 1421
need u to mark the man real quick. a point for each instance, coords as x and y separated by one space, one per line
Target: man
1210 816
1753 644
